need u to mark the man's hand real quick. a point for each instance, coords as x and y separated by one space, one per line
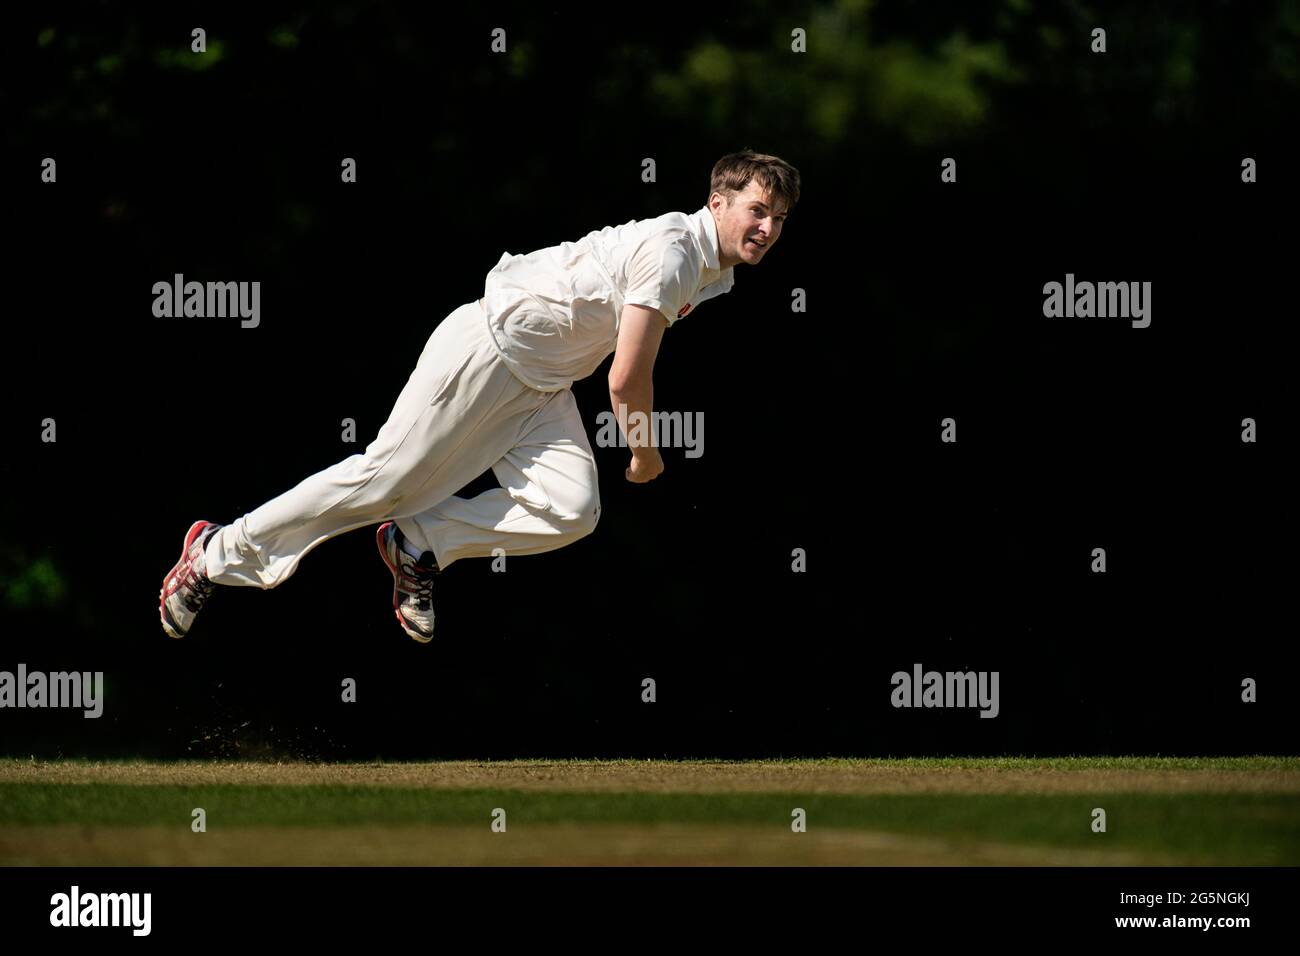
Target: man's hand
646 465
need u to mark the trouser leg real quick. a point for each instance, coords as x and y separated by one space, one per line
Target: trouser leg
549 497
458 413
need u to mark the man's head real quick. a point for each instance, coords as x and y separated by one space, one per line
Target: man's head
750 194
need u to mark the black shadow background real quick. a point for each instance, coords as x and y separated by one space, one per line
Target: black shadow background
822 428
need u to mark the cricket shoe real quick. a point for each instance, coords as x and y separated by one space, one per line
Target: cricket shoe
186 587
412 582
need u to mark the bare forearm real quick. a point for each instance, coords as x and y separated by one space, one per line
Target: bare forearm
628 400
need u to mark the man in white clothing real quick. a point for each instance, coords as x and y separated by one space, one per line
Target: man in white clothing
492 390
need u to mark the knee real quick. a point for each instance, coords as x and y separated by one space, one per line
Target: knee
587 515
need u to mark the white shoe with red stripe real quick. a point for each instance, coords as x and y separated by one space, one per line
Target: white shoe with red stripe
412 582
186 587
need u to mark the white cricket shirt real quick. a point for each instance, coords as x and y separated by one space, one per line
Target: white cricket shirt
554 313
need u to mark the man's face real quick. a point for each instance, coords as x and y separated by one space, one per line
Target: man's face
748 227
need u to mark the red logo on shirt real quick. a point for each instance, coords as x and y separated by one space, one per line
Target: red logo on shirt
683 310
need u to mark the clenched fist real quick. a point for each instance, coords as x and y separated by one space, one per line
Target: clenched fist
645 466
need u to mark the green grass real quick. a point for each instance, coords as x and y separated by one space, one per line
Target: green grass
1197 811
1232 829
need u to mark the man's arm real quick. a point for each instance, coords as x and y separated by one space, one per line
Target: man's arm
631 385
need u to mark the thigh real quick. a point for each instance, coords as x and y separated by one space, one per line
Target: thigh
551 467
459 413
446 355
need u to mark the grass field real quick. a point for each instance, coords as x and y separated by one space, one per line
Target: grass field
1159 811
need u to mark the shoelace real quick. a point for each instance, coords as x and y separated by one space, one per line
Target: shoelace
416 581
195 588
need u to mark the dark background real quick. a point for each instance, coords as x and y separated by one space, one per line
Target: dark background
822 428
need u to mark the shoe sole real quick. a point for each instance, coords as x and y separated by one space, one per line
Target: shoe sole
383 553
168 624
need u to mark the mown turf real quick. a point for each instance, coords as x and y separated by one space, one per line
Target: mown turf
1212 811
1238 829
848 777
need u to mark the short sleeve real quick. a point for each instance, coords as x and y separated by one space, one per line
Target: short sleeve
660 275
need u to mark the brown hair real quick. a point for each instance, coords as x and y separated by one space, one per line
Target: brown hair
732 173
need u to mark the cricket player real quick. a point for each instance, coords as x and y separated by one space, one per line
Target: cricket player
492 390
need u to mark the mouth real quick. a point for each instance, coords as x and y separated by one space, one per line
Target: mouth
753 242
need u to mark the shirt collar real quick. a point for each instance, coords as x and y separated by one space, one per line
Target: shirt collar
706 234
706 231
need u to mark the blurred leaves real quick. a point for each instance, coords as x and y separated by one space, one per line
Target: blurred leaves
1285 50
844 82
284 38
30 583
919 73
929 98
183 58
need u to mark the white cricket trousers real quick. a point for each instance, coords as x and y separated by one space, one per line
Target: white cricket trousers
462 412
